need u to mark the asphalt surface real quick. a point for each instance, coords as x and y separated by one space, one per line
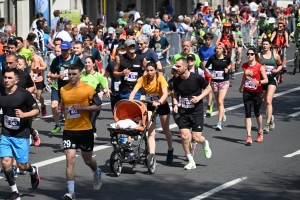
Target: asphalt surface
234 171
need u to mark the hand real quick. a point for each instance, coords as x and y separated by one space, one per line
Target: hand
254 81
226 70
287 45
241 89
236 46
162 52
155 104
212 75
20 114
175 109
274 71
100 95
77 107
126 72
61 76
195 99
107 93
58 110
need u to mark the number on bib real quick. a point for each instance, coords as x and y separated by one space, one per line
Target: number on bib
153 97
132 77
12 122
67 143
249 85
219 75
186 103
268 69
72 113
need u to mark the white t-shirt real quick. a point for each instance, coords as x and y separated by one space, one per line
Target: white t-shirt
253 6
33 26
64 35
81 25
136 14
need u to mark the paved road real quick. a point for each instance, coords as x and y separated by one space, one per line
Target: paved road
235 170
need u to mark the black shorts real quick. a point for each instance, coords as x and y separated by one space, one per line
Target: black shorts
253 98
83 140
271 81
163 109
40 85
188 120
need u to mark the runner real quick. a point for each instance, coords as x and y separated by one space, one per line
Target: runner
129 67
205 52
262 24
251 87
18 109
273 66
78 132
188 106
220 66
156 88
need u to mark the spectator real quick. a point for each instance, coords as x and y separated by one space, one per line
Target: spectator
2 24
169 9
186 25
56 18
121 14
8 30
2 41
162 12
130 19
38 16
75 36
228 7
84 31
40 35
198 8
133 11
13 29
84 22
47 38
65 34
143 17
124 19
253 8
171 24
100 23
164 24
29 40
147 28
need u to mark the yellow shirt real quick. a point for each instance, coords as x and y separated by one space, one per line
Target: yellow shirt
81 94
27 53
155 87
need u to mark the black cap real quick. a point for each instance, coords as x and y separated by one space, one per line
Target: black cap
191 56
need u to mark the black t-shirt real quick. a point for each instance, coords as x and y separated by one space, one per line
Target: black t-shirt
11 125
218 67
60 66
192 86
110 69
150 55
110 43
25 80
159 45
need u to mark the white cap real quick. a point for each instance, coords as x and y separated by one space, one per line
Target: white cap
233 9
205 3
263 15
271 20
140 22
111 30
121 13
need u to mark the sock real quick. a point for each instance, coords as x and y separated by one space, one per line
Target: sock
10 177
31 169
206 144
97 173
190 157
57 125
71 186
14 188
219 124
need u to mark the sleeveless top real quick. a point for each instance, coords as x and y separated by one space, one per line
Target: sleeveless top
37 74
269 65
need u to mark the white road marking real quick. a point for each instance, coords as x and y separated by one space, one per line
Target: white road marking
292 154
218 189
294 114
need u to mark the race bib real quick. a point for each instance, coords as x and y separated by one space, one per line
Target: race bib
219 75
186 103
65 72
159 55
35 76
249 85
72 113
131 77
12 122
269 69
153 97
116 86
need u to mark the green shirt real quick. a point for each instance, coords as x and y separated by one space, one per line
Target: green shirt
95 80
200 33
239 36
179 55
262 25
26 53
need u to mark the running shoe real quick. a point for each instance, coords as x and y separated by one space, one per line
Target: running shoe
190 165
210 110
36 139
14 169
14 196
267 129
207 150
219 127
44 111
249 141
170 156
260 137
272 124
35 178
98 181
69 196
56 129
21 172
61 117
193 148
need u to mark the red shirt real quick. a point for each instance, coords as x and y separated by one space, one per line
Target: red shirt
252 72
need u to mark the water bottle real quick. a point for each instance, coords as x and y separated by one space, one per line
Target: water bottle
123 139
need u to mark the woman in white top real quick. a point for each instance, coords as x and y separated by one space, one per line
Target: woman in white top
217 22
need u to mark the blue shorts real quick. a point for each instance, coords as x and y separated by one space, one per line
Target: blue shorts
54 95
125 95
15 147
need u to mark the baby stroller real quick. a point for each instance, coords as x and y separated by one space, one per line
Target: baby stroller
136 151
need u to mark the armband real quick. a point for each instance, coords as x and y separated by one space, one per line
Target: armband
97 100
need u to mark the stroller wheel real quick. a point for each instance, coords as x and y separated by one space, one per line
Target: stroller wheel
112 160
117 168
151 163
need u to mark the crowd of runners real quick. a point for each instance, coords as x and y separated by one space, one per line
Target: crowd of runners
136 53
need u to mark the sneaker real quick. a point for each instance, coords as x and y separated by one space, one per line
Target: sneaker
224 117
61 117
69 196
219 127
249 141
56 129
14 196
14 169
36 139
272 124
207 150
190 165
210 110
98 181
193 148
170 156
260 137
35 178
267 129
30 140
44 111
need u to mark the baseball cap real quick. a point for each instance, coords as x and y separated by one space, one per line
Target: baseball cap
111 30
221 44
263 15
65 45
129 42
119 31
121 14
233 9
191 57
140 22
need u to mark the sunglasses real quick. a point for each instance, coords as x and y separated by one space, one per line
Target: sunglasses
252 54
140 44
